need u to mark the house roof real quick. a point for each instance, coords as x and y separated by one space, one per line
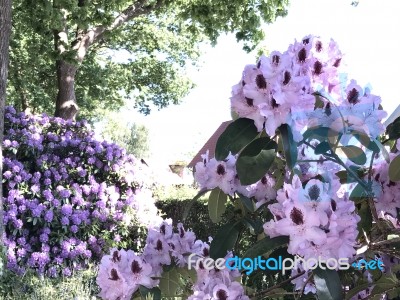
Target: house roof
209 145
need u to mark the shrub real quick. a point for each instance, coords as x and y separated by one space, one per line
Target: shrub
68 197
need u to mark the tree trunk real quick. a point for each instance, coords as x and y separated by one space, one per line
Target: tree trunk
5 31
66 106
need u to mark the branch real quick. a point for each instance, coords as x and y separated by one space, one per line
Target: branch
93 35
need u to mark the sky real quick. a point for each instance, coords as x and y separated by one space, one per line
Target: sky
367 35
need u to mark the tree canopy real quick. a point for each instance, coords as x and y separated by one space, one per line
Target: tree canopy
64 49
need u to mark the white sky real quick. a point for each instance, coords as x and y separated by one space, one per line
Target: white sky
368 35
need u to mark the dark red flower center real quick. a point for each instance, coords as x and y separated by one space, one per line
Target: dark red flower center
297 216
135 267
222 295
114 275
302 55
286 78
261 82
352 96
317 68
220 170
249 101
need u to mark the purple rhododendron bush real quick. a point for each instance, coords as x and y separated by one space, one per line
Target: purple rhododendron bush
311 170
67 196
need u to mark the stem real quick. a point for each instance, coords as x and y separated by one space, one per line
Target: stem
261 293
370 168
312 160
395 240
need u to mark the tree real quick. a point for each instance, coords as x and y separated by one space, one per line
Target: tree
62 49
130 136
5 30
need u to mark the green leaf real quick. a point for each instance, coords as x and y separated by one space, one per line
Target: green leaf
225 239
344 177
235 137
322 148
385 283
366 218
394 169
169 283
320 133
365 140
355 154
247 203
266 245
255 160
393 129
385 153
190 204
289 145
327 283
216 204
358 193
154 293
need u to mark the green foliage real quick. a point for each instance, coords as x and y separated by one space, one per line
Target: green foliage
174 192
225 239
151 50
255 160
289 145
394 169
327 283
355 154
31 287
217 204
393 129
130 136
235 137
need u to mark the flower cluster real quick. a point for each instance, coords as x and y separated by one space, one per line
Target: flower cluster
67 196
122 272
281 89
318 222
211 173
387 191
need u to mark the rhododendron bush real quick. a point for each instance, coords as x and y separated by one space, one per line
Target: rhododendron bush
312 172
67 196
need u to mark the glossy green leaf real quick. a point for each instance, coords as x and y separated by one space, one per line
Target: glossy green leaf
255 160
385 283
247 203
319 133
146 293
322 148
358 193
383 150
366 141
355 154
266 245
169 283
289 145
327 283
365 224
394 169
236 136
225 239
217 204
393 129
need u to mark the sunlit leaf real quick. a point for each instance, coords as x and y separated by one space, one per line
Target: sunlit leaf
235 137
216 204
